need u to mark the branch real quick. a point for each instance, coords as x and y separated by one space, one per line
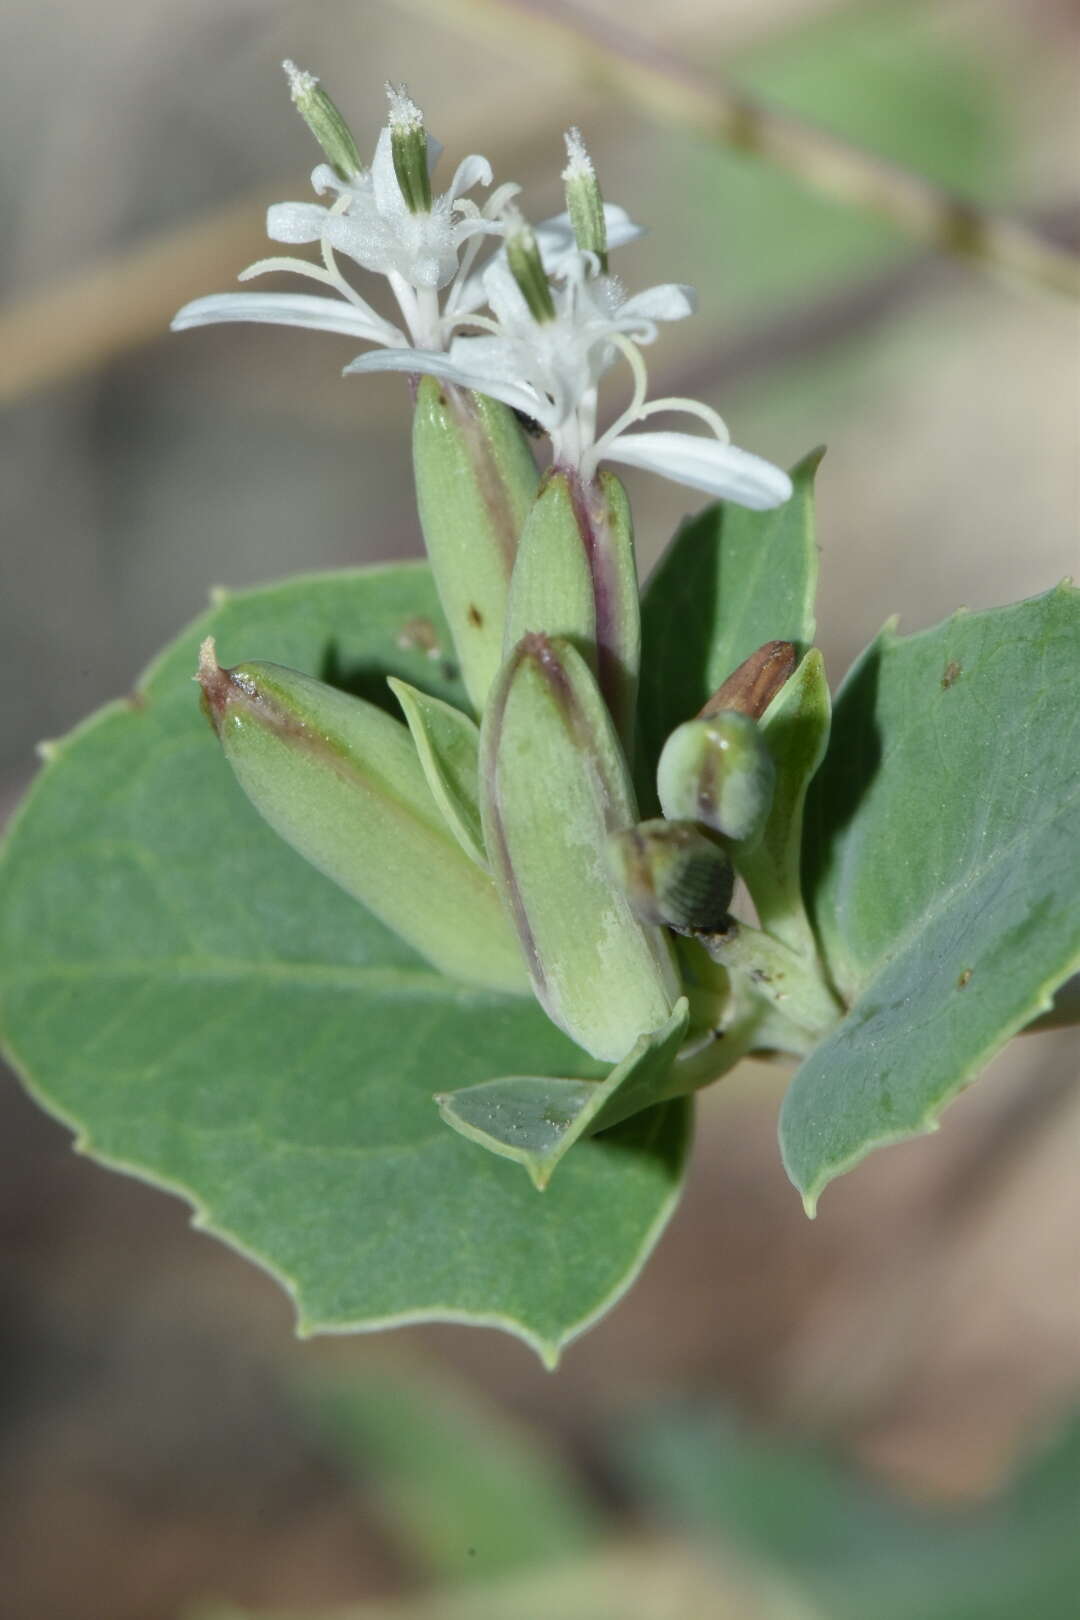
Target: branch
674 93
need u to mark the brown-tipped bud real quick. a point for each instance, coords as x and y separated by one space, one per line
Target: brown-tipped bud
751 688
673 874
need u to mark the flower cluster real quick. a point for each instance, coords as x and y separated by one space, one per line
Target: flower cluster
537 326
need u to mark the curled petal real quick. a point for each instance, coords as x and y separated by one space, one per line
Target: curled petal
288 309
434 363
668 302
702 463
471 171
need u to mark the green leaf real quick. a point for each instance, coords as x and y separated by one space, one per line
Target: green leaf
209 1013
512 1507
731 580
944 869
852 1550
448 747
796 729
534 1120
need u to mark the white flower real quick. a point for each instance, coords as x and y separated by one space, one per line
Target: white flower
550 369
418 249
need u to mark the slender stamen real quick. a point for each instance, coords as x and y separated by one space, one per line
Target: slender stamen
632 412
689 407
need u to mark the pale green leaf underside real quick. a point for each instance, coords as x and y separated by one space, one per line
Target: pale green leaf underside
535 1120
944 852
211 1014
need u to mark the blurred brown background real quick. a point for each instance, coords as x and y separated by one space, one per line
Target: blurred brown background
929 1321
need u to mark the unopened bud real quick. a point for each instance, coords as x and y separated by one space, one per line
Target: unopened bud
584 202
673 873
339 780
409 147
475 483
324 121
718 771
554 786
575 576
527 269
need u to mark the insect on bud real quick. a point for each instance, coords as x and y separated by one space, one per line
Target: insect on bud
673 874
718 771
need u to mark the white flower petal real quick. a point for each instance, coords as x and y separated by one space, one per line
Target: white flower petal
384 180
668 302
295 222
702 463
433 363
288 309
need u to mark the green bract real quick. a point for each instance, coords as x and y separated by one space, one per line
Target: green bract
555 786
340 781
475 482
575 576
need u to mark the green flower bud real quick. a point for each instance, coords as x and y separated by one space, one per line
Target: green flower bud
324 121
575 576
527 269
409 147
339 780
554 786
674 873
717 771
584 202
475 483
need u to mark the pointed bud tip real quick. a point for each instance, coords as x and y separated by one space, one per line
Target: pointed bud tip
214 681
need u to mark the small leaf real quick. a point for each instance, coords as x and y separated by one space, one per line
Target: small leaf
731 580
448 747
535 1121
943 841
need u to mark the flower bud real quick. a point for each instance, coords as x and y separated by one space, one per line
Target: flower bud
339 780
575 576
475 483
717 771
673 873
554 786
409 149
324 121
584 202
527 269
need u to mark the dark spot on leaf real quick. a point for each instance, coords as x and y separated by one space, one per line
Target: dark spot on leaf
964 979
136 700
952 674
475 616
